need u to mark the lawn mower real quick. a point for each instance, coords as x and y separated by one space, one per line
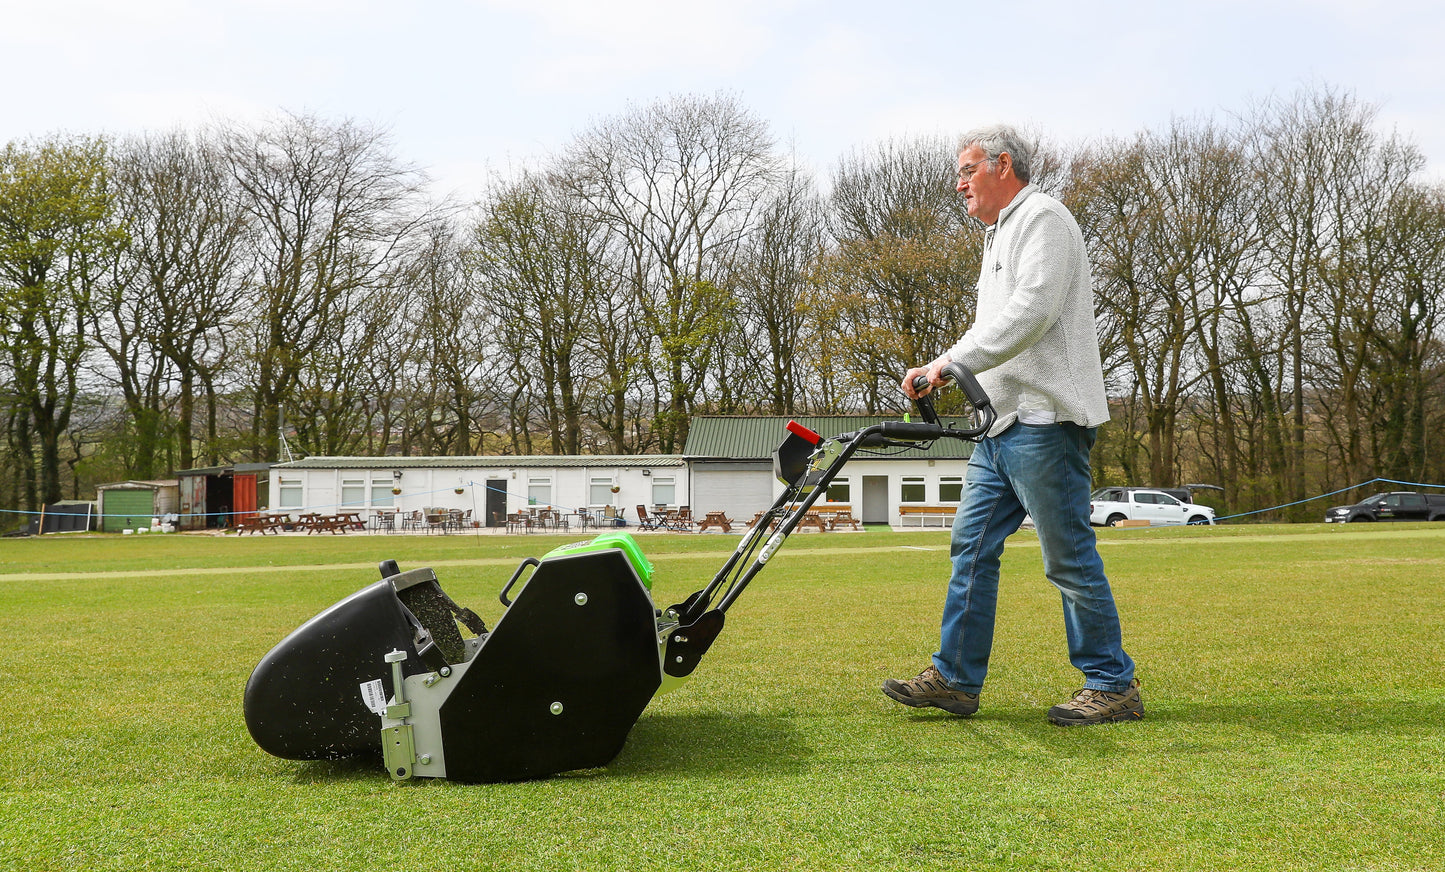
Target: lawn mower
579 652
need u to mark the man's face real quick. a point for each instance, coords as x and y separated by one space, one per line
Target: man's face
982 185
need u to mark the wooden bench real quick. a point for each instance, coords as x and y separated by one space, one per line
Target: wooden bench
924 514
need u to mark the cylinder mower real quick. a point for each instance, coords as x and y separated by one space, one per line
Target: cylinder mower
559 681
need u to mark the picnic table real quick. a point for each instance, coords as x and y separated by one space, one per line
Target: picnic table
262 524
315 522
716 519
811 518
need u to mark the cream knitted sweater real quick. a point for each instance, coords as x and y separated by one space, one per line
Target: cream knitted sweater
1033 344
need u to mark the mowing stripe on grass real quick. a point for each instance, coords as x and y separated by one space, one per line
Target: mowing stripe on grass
1134 536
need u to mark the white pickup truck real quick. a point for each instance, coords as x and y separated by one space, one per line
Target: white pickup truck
1110 505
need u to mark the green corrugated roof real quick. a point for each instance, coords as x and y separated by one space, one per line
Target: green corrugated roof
751 438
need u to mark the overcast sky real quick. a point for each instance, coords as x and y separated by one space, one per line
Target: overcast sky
468 87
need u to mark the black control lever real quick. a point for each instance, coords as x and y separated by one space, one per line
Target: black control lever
925 402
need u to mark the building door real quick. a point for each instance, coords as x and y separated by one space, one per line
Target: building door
738 489
496 502
193 501
875 500
127 508
243 496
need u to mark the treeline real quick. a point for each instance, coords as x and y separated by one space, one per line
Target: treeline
1269 289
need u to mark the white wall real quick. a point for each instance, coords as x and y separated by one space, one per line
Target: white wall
932 473
430 487
435 487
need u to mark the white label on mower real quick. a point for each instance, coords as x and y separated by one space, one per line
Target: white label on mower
374 695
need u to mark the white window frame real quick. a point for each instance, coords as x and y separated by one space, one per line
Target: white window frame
290 492
606 483
539 487
950 481
381 494
353 493
907 481
664 483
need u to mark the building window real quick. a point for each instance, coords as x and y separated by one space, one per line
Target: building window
599 491
838 491
664 490
913 489
539 491
290 493
381 492
353 493
950 489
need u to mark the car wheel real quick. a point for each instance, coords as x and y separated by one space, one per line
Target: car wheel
1198 519
1114 520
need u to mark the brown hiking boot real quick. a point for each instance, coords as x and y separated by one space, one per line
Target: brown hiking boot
1099 707
929 689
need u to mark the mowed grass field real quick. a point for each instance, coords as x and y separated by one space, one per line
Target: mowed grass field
1294 678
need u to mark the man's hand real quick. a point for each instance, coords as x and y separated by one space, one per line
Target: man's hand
934 372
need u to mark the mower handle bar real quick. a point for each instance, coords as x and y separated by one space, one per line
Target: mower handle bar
959 375
892 432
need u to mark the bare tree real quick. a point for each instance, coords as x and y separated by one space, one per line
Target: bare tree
680 182
768 367
334 211
540 284
900 285
451 356
168 322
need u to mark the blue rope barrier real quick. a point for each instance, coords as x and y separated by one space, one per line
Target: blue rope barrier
1330 494
503 490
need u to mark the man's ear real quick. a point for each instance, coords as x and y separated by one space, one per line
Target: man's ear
1005 163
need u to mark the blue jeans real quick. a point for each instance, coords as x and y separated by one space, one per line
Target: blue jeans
1042 471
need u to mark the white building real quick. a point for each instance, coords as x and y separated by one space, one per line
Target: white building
489 487
726 466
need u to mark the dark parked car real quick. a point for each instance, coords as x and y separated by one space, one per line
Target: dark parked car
1393 506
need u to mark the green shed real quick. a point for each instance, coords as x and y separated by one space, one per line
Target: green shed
131 505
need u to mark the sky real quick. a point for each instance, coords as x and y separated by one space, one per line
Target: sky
473 89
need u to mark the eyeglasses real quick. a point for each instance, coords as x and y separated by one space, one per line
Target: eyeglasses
966 171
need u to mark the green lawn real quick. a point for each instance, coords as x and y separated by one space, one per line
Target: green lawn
1294 679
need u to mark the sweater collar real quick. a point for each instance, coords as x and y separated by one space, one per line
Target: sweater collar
1022 195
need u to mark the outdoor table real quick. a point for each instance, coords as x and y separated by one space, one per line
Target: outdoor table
262 524
716 519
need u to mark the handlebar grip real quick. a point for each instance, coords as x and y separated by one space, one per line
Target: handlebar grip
964 378
910 431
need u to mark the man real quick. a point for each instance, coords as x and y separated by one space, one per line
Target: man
1035 349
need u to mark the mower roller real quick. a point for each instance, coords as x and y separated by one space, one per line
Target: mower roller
559 681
